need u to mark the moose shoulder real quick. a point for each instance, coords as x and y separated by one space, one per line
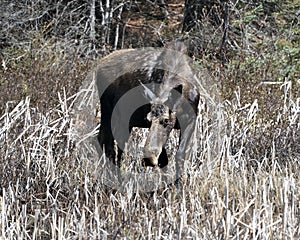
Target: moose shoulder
149 88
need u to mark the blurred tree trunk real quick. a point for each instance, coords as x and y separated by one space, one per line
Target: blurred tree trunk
195 10
92 24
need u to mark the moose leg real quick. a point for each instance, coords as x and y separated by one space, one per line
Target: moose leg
106 142
105 137
184 151
119 156
163 158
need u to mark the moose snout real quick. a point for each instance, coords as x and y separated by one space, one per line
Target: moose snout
151 157
150 161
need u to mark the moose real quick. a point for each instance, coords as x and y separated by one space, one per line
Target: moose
147 88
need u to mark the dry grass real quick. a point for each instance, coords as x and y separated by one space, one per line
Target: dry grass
49 191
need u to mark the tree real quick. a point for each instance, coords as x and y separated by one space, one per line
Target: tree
207 23
197 10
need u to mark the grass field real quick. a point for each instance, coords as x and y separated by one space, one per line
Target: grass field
49 191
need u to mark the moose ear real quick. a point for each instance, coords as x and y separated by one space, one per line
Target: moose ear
178 46
148 93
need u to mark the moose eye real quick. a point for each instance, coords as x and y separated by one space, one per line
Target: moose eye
164 122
